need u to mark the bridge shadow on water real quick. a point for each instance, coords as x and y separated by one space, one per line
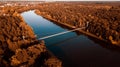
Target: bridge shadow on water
57 43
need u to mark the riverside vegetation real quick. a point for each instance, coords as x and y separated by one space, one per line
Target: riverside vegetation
18 44
102 18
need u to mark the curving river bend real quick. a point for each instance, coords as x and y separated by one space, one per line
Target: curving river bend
75 50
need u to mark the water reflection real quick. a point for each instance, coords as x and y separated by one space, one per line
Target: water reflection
57 43
105 45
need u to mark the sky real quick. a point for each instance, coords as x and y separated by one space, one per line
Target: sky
59 0
86 0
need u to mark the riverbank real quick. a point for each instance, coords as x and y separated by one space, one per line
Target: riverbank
76 15
18 43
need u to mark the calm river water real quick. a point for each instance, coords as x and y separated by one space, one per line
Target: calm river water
72 49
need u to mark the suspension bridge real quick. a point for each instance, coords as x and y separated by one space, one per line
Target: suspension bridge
61 33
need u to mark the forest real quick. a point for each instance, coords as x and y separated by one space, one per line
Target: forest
18 44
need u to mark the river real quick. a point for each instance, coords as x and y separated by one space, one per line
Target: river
74 50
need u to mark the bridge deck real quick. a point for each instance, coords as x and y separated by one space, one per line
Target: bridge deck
61 33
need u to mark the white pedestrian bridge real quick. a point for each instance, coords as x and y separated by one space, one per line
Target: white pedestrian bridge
61 33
